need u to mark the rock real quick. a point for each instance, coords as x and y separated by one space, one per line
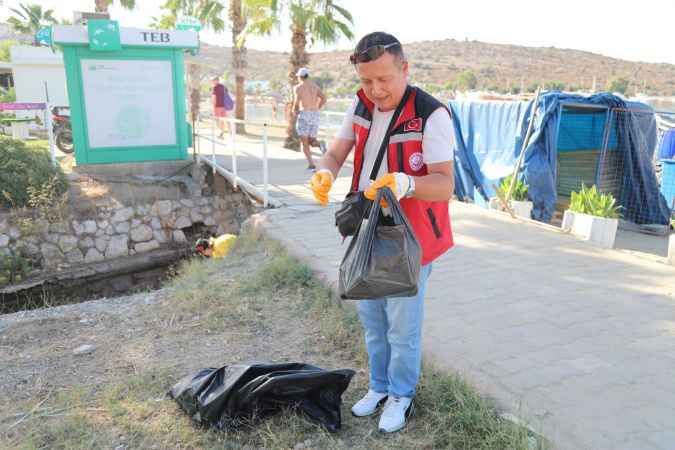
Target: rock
41 226
102 243
183 212
135 223
179 236
159 236
146 219
14 233
102 224
118 246
75 256
31 249
50 252
52 238
122 227
4 240
67 243
155 223
110 230
141 233
59 227
100 233
85 243
3 226
209 221
203 201
84 350
182 222
89 226
77 227
195 216
162 207
93 255
142 210
146 246
122 215
206 210
187 203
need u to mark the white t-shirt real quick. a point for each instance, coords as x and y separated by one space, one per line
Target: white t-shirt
438 142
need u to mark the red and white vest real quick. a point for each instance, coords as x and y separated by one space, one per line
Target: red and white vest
430 220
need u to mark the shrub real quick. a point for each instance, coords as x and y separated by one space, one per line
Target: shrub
592 202
25 170
519 193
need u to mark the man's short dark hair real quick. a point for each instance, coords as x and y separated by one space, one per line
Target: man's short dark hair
381 38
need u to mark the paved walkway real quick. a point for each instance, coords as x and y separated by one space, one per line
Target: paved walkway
578 340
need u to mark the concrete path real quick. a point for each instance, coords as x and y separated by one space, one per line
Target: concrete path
578 340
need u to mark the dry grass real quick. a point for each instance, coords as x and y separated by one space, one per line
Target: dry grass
269 298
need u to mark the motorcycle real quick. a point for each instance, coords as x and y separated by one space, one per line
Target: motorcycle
62 129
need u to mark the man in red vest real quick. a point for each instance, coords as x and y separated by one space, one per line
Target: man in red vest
414 134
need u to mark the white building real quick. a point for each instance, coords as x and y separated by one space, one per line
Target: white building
34 68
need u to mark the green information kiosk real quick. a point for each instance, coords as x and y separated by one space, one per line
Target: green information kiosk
126 91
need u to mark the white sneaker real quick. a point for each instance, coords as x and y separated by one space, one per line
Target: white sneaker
368 404
396 412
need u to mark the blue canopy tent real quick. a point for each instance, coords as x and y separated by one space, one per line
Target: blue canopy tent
600 140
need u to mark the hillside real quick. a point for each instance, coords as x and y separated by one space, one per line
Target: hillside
437 64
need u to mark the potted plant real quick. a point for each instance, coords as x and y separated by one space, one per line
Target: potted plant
593 215
519 203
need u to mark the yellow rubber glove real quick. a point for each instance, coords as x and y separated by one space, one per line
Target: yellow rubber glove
398 182
320 184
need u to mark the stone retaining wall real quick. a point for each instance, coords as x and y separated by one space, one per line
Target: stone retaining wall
114 232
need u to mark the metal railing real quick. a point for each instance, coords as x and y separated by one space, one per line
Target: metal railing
233 176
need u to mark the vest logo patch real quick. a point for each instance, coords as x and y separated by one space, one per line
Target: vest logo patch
413 125
416 161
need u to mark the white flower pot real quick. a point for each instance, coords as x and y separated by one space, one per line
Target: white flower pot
599 231
520 209
671 249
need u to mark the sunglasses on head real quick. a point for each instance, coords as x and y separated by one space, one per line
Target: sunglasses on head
371 53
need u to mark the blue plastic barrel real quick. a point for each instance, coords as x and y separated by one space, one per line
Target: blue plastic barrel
668 181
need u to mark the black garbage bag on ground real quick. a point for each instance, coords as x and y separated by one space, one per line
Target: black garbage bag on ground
229 396
384 257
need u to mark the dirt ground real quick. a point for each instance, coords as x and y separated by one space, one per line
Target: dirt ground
258 305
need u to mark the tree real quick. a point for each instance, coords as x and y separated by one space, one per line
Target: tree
321 21
208 12
29 18
554 85
4 49
102 5
618 84
467 81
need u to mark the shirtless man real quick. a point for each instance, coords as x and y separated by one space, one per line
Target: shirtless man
308 100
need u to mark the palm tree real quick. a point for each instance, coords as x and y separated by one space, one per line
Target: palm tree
321 21
208 12
29 18
102 5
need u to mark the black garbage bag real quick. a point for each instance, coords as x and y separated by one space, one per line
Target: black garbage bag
230 396
384 257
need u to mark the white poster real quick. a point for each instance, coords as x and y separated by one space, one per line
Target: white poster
129 103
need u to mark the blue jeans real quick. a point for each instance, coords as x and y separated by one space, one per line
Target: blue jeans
393 332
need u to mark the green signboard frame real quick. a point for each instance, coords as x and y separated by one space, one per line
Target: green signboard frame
84 153
124 44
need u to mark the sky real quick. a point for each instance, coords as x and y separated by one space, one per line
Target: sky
626 29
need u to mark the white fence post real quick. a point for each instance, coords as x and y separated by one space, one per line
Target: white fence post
233 149
50 133
265 168
213 144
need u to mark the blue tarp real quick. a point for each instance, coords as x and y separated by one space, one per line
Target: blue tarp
490 136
